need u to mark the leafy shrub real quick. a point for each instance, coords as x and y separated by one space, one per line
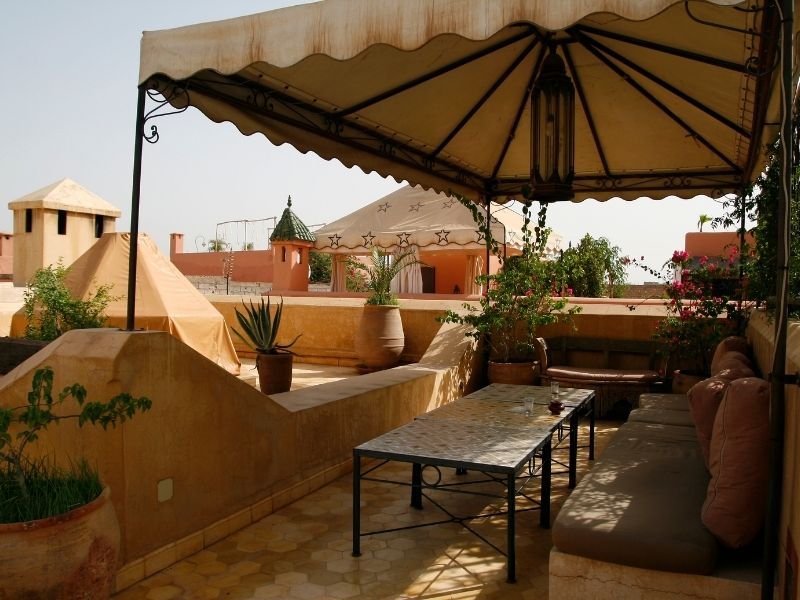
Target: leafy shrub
34 489
51 310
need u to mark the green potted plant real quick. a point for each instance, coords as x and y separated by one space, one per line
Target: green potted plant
520 298
380 338
59 535
273 360
694 325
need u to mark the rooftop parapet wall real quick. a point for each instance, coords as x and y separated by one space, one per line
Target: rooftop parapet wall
328 325
230 454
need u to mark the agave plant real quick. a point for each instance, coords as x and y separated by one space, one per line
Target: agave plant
261 328
385 267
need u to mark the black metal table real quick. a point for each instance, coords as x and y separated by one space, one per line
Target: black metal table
487 431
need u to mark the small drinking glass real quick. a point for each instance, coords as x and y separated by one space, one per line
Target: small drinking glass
528 406
554 390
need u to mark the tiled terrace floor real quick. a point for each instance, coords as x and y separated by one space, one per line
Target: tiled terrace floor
303 551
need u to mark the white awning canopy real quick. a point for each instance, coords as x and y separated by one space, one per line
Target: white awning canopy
672 97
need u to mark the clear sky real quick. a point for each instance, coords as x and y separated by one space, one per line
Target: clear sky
68 106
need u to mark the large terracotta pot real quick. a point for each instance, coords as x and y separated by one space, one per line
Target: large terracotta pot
519 373
380 340
69 556
682 381
274 372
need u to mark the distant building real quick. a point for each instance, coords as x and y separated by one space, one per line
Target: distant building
58 222
6 256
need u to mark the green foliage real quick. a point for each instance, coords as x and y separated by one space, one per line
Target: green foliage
761 271
261 327
34 489
385 267
519 298
51 310
217 245
593 269
693 327
321 265
759 203
356 276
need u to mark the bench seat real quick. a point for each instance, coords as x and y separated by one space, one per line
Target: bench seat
665 416
638 506
665 401
618 370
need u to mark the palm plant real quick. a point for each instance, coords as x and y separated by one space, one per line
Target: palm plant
261 328
385 267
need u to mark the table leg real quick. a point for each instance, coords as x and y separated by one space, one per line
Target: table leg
511 541
416 485
356 504
573 448
544 499
591 428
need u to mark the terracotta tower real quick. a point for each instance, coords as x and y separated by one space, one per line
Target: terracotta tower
291 243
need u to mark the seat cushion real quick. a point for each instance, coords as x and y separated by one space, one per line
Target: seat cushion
640 503
733 343
664 401
663 416
704 400
564 373
738 460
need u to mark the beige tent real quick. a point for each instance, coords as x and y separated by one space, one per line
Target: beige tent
428 224
165 299
412 216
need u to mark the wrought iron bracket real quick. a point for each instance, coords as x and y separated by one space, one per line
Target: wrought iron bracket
177 95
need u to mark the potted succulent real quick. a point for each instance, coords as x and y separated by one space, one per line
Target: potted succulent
59 535
380 339
519 299
273 360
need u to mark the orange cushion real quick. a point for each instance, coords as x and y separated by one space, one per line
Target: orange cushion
738 460
704 399
733 343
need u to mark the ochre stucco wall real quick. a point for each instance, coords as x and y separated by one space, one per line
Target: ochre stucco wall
224 445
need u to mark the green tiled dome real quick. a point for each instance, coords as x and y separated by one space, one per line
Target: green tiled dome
290 228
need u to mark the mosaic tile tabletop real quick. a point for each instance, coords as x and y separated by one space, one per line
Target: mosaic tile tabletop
458 443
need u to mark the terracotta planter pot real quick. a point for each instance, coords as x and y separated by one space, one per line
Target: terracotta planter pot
519 373
274 372
682 381
73 555
380 340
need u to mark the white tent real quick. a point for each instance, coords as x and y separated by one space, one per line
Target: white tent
431 221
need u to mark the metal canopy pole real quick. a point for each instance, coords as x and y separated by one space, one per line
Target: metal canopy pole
137 180
777 376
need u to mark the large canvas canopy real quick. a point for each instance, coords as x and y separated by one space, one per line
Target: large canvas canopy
672 97
165 299
412 216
